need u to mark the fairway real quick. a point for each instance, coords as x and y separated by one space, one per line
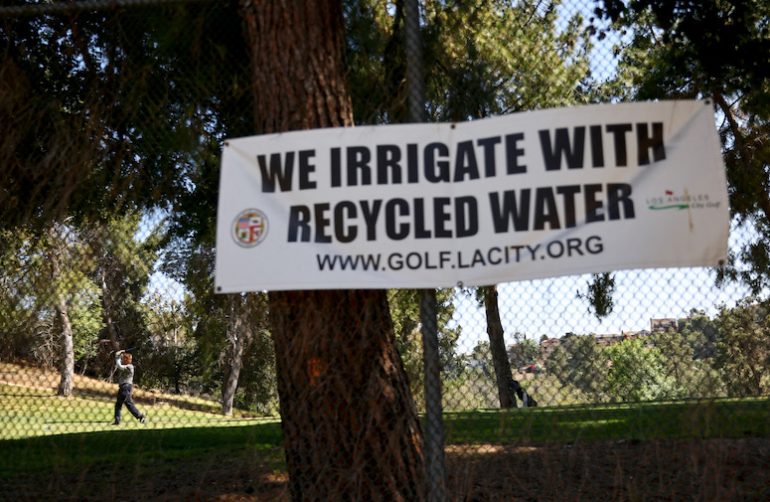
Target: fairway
31 412
198 455
643 421
189 450
34 412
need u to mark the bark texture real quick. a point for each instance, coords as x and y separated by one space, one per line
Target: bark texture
297 64
351 431
63 324
67 368
236 340
350 426
497 347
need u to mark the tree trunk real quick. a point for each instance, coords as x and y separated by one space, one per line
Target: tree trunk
62 322
497 347
297 65
350 426
67 368
236 337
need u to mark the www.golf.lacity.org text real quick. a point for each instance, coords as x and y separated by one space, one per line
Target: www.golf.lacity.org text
459 259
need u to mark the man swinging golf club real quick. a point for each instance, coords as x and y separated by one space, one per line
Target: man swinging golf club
125 370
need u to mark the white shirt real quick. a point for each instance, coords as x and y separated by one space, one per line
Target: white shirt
125 371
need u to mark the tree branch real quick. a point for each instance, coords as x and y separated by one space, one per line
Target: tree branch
740 144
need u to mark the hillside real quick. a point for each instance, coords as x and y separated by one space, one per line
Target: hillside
29 406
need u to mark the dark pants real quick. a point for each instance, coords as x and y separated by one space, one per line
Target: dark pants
124 396
526 400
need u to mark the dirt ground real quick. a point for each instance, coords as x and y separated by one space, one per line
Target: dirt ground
713 470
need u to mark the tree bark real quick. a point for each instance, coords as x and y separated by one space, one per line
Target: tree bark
67 368
497 347
350 426
62 322
298 64
236 337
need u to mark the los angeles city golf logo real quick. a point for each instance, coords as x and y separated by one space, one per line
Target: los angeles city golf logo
249 228
672 201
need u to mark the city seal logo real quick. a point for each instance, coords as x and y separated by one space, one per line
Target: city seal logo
249 228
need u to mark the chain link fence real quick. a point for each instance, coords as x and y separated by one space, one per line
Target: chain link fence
113 119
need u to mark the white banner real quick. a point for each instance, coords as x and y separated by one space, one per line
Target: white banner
531 195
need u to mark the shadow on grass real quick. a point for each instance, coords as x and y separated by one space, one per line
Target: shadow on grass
719 469
178 464
666 451
69 454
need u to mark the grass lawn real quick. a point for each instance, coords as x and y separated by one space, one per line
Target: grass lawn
59 448
47 430
29 412
726 418
66 448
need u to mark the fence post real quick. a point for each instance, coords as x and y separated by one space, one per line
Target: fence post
415 80
434 429
434 426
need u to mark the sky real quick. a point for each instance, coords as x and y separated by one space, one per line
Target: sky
551 307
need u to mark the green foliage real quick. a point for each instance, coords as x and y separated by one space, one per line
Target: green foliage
714 49
167 361
17 299
375 58
86 316
123 249
523 351
636 372
45 272
131 112
106 100
700 331
689 372
703 357
480 359
599 295
743 347
472 389
405 312
496 57
481 59
720 38
578 361
258 382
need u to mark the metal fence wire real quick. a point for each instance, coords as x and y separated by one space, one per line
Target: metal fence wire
113 116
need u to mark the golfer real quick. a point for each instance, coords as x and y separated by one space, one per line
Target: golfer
125 385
